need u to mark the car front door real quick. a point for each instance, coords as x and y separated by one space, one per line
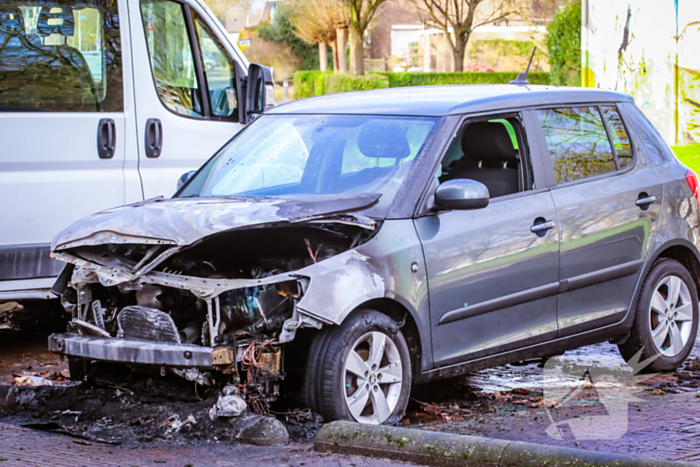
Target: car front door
63 125
607 202
185 88
492 272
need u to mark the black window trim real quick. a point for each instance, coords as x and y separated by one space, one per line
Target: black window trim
203 89
194 15
547 158
198 60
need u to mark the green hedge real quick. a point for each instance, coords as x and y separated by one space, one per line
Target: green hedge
427 79
309 83
348 83
317 83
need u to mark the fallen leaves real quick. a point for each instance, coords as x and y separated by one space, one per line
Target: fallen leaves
443 411
46 378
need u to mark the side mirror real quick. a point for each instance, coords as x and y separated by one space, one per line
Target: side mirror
184 178
461 193
258 89
260 92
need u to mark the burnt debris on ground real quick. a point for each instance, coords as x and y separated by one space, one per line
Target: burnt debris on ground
117 405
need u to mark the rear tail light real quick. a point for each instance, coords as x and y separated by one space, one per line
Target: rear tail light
692 180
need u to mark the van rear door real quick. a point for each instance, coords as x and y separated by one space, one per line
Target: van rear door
188 107
62 128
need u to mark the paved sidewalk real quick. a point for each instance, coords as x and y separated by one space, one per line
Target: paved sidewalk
26 447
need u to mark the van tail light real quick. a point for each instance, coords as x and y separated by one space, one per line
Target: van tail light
692 180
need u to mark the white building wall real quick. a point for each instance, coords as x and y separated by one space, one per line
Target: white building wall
650 49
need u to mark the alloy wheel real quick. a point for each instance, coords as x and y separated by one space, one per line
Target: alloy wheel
373 378
671 316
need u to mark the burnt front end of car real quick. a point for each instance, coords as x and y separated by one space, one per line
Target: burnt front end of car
222 309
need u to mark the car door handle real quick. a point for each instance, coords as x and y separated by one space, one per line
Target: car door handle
154 138
645 201
106 138
541 225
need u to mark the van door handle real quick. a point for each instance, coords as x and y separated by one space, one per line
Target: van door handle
645 201
154 138
106 138
541 226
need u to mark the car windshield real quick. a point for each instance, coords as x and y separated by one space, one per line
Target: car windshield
286 155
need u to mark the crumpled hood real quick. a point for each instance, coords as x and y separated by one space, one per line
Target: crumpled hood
182 221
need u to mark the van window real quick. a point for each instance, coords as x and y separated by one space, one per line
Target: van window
172 62
60 56
577 141
218 71
621 141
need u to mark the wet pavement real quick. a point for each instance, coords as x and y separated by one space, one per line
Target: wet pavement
24 447
511 402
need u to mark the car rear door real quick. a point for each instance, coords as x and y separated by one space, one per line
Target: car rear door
187 106
607 202
493 272
62 125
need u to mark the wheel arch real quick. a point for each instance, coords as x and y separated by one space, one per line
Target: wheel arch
685 253
682 251
401 314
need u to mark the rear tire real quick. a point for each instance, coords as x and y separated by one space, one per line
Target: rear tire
360 370
666 321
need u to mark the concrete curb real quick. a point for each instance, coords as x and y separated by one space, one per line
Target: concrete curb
442 449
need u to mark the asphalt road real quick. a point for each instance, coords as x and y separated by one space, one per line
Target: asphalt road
507 402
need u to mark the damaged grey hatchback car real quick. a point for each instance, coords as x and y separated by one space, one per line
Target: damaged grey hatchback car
346 247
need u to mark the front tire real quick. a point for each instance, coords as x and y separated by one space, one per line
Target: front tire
365 370
666 321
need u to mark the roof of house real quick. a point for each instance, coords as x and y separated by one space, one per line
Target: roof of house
446 100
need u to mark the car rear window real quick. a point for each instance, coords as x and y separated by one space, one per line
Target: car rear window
60 56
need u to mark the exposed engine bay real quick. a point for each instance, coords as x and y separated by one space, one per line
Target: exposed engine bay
220 309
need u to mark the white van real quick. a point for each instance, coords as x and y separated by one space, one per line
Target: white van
102 103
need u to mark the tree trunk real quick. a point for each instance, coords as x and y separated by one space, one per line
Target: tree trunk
334 51
342 64
323 55
458 59
357 54
459 51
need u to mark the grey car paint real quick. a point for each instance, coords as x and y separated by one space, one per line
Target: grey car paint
501 258
183 221
508 314
605 237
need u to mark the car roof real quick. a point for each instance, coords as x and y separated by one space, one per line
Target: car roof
437 101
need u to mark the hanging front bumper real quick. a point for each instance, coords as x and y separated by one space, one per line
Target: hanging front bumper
129 350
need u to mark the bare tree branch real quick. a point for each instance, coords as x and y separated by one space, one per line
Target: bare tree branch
458 19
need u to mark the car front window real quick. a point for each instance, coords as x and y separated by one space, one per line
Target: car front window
315 154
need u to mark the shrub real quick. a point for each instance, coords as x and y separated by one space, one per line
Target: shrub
564 44
309 84
347 83
283 33
317 83
427 79
506 55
